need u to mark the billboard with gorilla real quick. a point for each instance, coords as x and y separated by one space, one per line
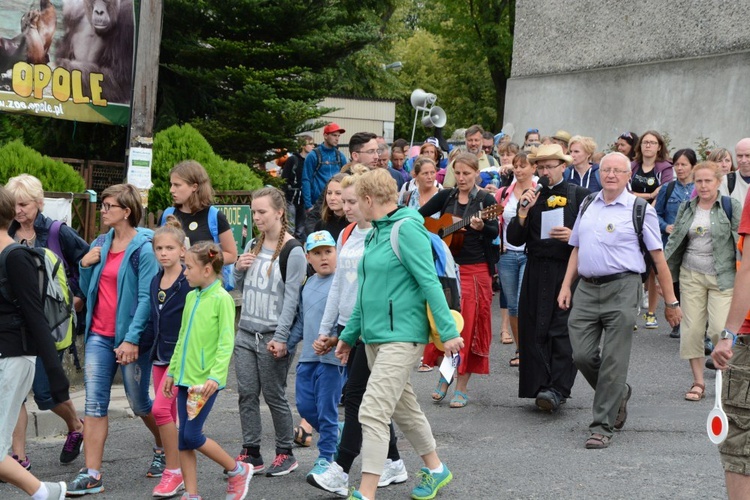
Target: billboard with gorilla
67 59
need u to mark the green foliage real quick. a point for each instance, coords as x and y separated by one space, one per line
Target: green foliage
15 158
249 73
176 144
704 146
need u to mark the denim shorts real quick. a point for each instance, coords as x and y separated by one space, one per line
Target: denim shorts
511 266
101 366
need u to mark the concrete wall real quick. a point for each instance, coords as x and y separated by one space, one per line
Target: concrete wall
600 68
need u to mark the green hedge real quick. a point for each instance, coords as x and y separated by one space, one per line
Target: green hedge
15 158
179 143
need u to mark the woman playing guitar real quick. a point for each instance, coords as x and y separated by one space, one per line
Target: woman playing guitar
474 268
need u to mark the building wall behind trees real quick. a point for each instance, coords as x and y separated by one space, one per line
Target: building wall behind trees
600 68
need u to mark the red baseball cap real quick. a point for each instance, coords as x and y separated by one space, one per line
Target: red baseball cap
332 128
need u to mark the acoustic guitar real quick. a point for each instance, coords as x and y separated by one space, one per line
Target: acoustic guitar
448 227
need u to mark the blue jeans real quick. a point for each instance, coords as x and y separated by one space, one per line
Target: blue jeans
40 386
101 366
512 265
318 390
190 434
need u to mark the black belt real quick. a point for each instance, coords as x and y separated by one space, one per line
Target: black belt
600 280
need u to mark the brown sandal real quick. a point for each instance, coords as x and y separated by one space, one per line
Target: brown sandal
506 337
597 442
693 395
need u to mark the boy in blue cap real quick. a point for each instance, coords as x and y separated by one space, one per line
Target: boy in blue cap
319 378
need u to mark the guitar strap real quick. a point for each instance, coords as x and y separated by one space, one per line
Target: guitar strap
472 196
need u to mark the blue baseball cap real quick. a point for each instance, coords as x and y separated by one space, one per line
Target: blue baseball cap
319 239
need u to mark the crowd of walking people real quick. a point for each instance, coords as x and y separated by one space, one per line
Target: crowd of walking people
341 276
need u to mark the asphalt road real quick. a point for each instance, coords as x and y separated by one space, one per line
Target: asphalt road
499 446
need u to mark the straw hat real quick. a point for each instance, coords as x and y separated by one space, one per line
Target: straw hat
549 152
562 135
434 335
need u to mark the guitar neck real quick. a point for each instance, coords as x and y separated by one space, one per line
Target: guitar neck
456 226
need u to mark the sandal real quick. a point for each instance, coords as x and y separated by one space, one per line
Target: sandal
439 394
424 368
515 360
597 442
460 399
693 394
302 437
506 337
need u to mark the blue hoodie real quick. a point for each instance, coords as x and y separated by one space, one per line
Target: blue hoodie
133 303
163 327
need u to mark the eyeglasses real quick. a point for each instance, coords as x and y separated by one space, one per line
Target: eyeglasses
369 152
532 131
542 168
650 143
488 149
615 171
106 207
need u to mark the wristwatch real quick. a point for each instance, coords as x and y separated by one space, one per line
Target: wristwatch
672 305
726 334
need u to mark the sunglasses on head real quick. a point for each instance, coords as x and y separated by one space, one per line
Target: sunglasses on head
626 135
532 131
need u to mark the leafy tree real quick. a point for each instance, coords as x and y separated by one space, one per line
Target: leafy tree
249 73
176 144
15 159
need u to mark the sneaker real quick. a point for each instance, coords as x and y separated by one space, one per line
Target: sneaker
393 473
651 323
238 484
282 465
356 495
186 496
72 447
321 465
548 400
708 346
430 483
644 300
169 485
333 479
158 464
256 462
56 491
84 484
675 333
25 463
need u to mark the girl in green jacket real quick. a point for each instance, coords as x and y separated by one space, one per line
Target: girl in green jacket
199 368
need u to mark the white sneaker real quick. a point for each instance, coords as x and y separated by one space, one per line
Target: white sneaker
644 301
56 491
393 472
333 479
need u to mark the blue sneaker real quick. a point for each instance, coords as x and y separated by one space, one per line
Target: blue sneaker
84 484
430 483
356 495
321 465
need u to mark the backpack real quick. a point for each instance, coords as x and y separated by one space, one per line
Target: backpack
639 215
347 232
445 267
284 255
227 272
319 157
731 181
57 297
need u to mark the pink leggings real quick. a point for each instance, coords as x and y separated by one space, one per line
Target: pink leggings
164 410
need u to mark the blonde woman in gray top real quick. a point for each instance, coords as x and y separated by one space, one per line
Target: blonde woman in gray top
701 251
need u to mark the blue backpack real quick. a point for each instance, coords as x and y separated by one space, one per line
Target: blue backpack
445 266
227 272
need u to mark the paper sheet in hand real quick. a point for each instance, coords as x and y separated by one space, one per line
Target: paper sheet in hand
550 219
446 367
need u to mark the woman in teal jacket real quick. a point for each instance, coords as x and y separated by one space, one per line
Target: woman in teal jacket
390 316
116 275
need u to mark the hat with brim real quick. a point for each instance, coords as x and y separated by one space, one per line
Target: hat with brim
435 335
549 152
563 136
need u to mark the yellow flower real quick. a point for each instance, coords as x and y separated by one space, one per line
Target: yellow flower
556 201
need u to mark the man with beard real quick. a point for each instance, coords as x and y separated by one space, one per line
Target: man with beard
546 365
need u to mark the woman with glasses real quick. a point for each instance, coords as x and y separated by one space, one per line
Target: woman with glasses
701 251
116 276
625 144
649 171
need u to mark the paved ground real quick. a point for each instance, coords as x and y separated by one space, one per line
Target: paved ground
497 447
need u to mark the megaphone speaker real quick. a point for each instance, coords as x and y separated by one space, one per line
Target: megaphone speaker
421 99
436 118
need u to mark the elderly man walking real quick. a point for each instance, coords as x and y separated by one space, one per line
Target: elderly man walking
607 257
